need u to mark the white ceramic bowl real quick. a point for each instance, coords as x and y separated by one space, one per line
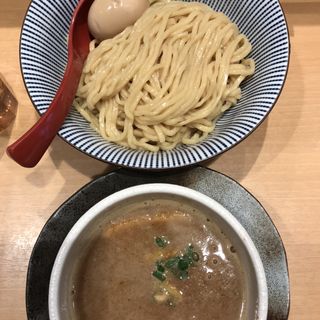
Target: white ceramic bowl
60 298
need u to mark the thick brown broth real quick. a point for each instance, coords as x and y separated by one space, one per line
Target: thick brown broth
114 278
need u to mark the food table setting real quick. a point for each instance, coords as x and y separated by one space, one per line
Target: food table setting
261 169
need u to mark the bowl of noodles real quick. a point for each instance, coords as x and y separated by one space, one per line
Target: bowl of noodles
185 83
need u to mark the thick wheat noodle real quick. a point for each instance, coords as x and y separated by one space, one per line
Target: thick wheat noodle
165 80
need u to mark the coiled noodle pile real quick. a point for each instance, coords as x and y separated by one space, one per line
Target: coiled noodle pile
165 80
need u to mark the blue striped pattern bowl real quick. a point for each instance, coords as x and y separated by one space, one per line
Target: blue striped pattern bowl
43 55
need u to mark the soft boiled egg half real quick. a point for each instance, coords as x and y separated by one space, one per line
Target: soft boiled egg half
108 18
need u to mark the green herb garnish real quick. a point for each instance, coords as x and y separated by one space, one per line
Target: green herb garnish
159 275
183 264
171 262
161 242
177 265
160 267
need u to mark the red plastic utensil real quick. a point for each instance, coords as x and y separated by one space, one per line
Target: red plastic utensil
29 149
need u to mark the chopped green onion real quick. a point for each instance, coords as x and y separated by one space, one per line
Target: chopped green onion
183 264
177 265
159 275
170 263
161 242
160 267
188 258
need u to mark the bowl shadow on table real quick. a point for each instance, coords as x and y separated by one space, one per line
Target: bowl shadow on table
62 153
238 161
69 162
73 165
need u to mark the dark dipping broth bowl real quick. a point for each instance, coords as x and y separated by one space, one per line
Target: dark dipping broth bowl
158 251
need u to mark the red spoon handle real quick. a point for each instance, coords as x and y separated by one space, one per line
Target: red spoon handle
29 149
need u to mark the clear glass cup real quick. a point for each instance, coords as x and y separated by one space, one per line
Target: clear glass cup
8 105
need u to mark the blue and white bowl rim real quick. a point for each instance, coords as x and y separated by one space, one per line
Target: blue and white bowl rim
151 164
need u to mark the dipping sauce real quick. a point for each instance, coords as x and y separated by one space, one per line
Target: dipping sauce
107 18
160 262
